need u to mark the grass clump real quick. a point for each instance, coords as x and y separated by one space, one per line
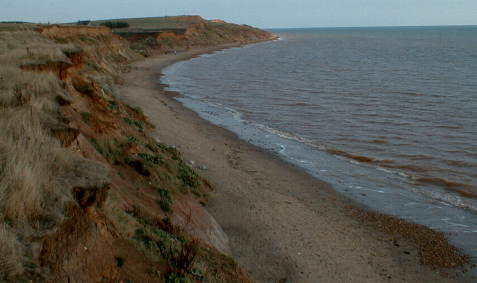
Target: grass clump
165 201
109 149
151 159
187 175
154 241
85 116
11 251
176 155
113 106
138 124
160 245
138 111
174 277
132 139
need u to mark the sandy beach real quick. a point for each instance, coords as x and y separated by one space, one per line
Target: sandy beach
283 225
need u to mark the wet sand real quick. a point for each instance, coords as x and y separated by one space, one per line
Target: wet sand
283 225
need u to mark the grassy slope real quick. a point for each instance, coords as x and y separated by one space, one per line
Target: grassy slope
82 184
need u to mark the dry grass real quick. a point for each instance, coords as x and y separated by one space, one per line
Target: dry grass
29 158
28 153
32 194
11 251
28 89
28 47
37 174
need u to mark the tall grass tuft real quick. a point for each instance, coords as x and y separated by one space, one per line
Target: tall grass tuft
11 251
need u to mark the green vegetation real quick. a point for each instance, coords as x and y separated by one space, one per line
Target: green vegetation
109 149
138 111
111 24
132 139
174 277
187 175
151 159
176 155
166 200
113 106
85 116
138 124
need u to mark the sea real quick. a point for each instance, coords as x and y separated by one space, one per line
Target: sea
386 115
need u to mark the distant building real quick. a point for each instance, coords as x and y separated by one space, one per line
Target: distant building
218 21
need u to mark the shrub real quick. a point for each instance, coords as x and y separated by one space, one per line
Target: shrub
113 24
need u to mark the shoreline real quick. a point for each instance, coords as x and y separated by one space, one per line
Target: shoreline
271 209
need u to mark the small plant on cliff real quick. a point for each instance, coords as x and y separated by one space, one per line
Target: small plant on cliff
151 159
188 176
137 124
113 106
85 116
174 277
138 111
165 200
132 139
109 149
176 155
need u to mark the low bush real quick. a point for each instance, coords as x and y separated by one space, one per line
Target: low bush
115 24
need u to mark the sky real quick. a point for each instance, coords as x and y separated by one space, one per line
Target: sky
259 13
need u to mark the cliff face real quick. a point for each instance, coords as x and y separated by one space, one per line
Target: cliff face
86 194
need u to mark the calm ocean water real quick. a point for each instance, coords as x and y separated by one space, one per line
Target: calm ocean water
388 116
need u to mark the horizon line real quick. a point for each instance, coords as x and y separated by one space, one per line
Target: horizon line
378 26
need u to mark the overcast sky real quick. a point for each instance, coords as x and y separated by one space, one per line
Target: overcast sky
261 13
